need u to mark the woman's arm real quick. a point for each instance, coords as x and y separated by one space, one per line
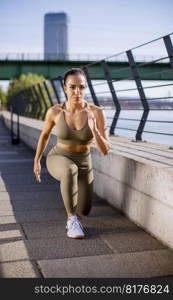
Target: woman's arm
45 134
42 142
99 130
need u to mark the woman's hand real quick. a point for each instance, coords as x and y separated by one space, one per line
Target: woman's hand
91 119
37 170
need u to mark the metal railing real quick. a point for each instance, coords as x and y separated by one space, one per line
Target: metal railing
15 138
35 101
10 56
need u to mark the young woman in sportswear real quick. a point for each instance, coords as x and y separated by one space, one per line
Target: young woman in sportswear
77 124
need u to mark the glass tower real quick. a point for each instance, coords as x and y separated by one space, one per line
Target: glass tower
55 36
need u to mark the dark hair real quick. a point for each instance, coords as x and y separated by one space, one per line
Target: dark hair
73 71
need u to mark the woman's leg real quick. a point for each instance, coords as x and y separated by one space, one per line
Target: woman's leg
65 170
85 186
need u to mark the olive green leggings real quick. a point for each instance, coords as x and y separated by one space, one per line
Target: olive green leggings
75 173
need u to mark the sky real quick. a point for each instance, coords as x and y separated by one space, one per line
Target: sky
94 26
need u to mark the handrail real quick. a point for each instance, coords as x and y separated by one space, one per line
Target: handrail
107 92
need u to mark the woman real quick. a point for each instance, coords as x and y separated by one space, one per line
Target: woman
77 123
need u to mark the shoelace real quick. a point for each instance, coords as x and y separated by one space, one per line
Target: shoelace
76 224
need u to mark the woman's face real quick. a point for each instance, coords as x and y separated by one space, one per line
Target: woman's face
75 88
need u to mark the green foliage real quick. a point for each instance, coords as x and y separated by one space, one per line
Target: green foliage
22 83
3 97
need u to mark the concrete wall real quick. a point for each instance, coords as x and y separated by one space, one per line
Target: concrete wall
30 130
140 189
143 192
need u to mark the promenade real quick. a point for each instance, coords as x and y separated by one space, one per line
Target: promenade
33 240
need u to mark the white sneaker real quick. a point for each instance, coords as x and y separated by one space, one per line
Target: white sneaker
74 228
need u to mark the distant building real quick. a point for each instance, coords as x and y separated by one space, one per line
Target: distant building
55 36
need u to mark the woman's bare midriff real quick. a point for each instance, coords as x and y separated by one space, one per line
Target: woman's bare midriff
76 148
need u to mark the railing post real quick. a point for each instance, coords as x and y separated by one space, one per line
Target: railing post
169 48
28 97
44 100
141 92
55 91
34 103
62 85
11 109
95 99
48 93
18 127
25 99
114 96
38 102
15 139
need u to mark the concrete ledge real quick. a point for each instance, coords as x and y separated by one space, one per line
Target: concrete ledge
135 177
30 130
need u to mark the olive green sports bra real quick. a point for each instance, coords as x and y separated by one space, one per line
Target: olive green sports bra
69 136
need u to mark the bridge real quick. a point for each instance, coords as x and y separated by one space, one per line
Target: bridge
12 65
53 68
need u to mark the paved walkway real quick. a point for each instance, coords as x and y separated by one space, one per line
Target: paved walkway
33 240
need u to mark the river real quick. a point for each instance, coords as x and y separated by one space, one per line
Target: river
157 115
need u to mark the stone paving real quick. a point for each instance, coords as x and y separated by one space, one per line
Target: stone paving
33 240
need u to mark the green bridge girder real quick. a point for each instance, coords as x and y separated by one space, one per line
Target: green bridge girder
52 69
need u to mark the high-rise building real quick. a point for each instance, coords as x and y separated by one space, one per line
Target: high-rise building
55 36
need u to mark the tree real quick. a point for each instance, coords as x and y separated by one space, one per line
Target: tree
23 82
20 88
3 96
